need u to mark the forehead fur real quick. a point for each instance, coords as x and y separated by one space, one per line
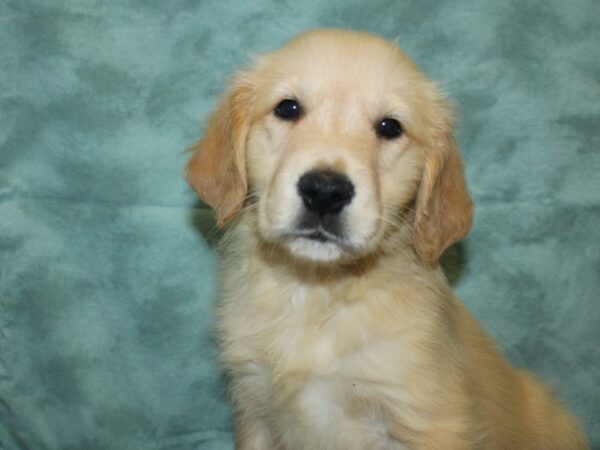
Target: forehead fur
327 53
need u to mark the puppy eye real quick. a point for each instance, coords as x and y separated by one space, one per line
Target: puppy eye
389 128
288 109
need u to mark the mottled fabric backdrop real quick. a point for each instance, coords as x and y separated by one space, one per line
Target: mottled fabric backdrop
107 263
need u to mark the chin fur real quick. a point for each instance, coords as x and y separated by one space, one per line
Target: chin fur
313 250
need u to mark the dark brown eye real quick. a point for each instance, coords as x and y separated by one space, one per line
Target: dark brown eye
288 109
389 128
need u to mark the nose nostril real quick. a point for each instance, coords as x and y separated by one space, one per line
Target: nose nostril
342 193
325 191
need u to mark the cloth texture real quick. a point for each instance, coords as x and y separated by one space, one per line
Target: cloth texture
107 264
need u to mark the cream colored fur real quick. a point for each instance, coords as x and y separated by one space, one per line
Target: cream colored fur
360 345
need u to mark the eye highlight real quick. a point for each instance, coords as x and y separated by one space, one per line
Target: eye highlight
288 109
389 128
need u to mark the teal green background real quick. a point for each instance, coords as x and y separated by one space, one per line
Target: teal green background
106 258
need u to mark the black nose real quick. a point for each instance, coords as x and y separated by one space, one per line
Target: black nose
325 191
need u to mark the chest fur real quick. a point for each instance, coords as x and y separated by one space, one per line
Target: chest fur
349 343
319 366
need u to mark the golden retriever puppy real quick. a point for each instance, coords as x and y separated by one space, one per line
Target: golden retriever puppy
335 160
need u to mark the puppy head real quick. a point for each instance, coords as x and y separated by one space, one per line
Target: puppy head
336 136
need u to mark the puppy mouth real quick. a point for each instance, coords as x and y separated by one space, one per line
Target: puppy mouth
320 228
318 234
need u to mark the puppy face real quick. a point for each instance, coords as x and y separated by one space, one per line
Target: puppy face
334 136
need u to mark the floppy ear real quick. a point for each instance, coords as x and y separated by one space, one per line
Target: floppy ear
217 169
444 210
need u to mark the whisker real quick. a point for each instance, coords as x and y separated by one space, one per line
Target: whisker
395 220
